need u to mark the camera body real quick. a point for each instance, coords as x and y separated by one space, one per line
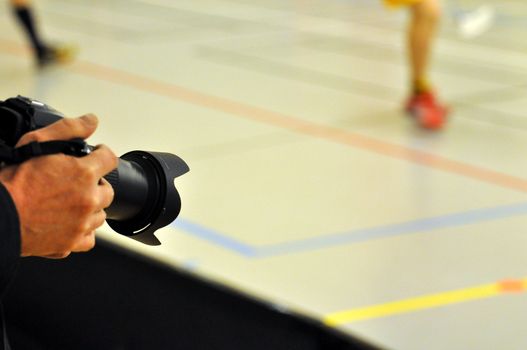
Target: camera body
146 198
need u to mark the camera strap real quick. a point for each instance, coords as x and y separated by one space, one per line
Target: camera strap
10 156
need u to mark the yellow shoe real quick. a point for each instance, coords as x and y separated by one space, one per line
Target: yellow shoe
57 54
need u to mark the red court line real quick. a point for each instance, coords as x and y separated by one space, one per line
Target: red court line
288 122
13 48
298 125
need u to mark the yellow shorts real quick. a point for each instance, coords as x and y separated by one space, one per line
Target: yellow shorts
399 3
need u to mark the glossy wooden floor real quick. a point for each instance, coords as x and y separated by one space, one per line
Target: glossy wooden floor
308 186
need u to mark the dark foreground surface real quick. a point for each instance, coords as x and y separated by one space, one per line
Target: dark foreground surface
112 299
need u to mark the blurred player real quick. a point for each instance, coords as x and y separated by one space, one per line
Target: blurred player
422 102
44 53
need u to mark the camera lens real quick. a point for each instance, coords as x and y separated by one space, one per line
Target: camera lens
146 198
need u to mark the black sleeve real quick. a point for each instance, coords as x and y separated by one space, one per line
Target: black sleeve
9 239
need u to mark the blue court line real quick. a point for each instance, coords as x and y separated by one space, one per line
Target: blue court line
352 236
213 236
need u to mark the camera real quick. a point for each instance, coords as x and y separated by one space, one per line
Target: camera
146 198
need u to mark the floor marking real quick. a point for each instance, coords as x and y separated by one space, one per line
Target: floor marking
512 286
352 236
269 117
215 237
298 125
426 302
393 230
291 123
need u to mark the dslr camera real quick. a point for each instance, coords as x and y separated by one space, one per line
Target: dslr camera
146 198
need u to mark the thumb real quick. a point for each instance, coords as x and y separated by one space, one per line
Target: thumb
64 129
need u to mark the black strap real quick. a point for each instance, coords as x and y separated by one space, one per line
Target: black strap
75 147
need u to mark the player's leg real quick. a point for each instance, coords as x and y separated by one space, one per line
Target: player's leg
44 53
422 104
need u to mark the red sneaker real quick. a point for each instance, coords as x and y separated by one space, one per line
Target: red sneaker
428 113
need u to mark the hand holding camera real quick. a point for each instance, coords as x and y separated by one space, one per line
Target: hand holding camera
60 199
65 189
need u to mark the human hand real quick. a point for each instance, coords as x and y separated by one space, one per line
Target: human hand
60 199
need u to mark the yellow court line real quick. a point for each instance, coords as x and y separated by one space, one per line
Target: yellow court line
426 302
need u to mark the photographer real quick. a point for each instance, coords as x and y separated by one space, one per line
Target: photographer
51 205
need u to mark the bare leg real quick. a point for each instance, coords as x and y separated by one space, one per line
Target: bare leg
422 104
425 16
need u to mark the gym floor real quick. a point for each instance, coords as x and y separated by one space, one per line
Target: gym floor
309 187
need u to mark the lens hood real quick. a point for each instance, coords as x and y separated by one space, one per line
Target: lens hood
146 197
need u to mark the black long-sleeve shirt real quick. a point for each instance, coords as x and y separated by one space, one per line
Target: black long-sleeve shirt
9 250
9 239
